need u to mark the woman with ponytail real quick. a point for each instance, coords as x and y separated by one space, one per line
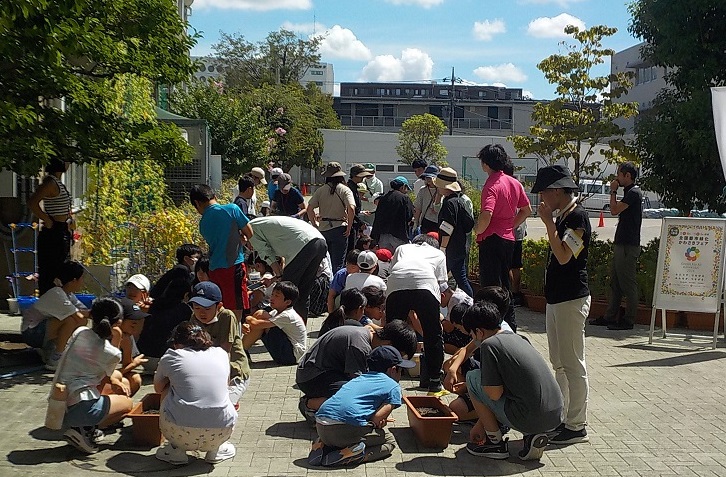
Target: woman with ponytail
350 312
196 412
86 361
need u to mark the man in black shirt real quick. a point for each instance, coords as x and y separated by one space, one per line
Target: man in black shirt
626 249
393 216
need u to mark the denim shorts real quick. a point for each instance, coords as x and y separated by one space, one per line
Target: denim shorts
473 384
87 413
35 337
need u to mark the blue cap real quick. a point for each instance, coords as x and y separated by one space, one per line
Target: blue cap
398 182
384 357
206 294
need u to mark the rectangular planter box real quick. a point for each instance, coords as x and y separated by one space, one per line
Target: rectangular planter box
431 432
145 427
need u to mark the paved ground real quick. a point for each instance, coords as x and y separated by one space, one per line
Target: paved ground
654 411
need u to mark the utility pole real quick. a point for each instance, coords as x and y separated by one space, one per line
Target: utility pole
452 100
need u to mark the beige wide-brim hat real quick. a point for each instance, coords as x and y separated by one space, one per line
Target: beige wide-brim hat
260 174
447 178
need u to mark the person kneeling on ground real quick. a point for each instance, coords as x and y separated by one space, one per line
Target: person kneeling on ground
196 413
351 424
282 330
513 387
350 312
88 358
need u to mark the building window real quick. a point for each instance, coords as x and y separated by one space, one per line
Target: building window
210 68
493 112
316 73
384 168
319 83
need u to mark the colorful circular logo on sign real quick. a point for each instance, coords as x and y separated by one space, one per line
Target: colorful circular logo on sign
692 254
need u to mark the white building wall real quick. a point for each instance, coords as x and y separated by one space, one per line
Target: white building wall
322 75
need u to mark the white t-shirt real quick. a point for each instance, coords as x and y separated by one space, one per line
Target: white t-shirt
85 362
458 296
417 267
198 395
361 280
55 303
294 328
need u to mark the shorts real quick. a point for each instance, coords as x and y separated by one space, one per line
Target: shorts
473 384
87 413
517 255
193 438
35 337
324 385
279 346
232 281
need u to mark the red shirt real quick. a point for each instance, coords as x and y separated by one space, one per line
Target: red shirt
501 195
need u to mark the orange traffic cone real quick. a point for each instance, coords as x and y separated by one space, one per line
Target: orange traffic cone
304 189
602 220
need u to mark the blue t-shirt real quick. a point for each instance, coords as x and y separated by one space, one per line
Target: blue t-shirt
360 398
338 282
271 189
220 226
288 204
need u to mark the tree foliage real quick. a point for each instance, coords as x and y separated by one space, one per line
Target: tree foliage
99 58
236 132
677 133
419 138
574 125
281 58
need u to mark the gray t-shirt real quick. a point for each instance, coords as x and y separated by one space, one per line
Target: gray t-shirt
533 398
344 349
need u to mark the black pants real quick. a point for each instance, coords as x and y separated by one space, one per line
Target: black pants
54 248
302 271
426 306
495 260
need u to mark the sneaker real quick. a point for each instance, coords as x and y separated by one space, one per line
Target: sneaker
534 446
620 325
81 439
350 455
601 321
51 362
224 452
488 449
172 455
317 450
306 412
503 428
567 436
98 435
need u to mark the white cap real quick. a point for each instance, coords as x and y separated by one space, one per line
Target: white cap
367 260
139 281
265 203
276 171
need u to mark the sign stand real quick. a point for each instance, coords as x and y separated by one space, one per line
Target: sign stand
690 274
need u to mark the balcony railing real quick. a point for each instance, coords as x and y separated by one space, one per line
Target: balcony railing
397 121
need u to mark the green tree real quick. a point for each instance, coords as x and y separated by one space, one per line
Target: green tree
574 125
676 136
419 138
237 132
281 58
98 58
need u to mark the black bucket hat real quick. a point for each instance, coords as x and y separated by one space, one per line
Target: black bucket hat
553 177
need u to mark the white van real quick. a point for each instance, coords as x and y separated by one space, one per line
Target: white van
595 195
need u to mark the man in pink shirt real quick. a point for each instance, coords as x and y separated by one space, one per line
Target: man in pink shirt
501 196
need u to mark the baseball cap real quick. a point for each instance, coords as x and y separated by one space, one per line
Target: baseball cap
276 171
357 170
206 294
369 167
265 203
367 260
434 235
398 182
139 281
386 356
384 255
284 182
260 174
131 310
362 187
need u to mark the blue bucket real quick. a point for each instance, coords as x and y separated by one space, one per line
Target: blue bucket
86 299
25 302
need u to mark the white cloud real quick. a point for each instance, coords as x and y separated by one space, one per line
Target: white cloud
259 5
420 3
553 27
526 94
413 65
339 42
305 28
487 29
561 3
506 72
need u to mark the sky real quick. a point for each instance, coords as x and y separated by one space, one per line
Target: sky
486 42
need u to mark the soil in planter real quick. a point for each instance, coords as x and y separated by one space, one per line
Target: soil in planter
151 411
430 412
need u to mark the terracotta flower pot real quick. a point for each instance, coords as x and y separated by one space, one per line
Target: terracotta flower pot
431 432
536 302
145 427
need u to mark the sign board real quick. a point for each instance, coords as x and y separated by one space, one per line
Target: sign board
690 264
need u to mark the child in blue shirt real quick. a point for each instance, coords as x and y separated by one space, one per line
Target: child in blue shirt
351 424
337 285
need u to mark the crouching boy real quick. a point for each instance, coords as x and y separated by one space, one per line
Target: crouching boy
351 424
514 387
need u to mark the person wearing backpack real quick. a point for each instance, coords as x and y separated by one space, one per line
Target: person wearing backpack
455 224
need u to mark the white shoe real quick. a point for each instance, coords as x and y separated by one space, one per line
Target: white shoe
172 455
224 452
